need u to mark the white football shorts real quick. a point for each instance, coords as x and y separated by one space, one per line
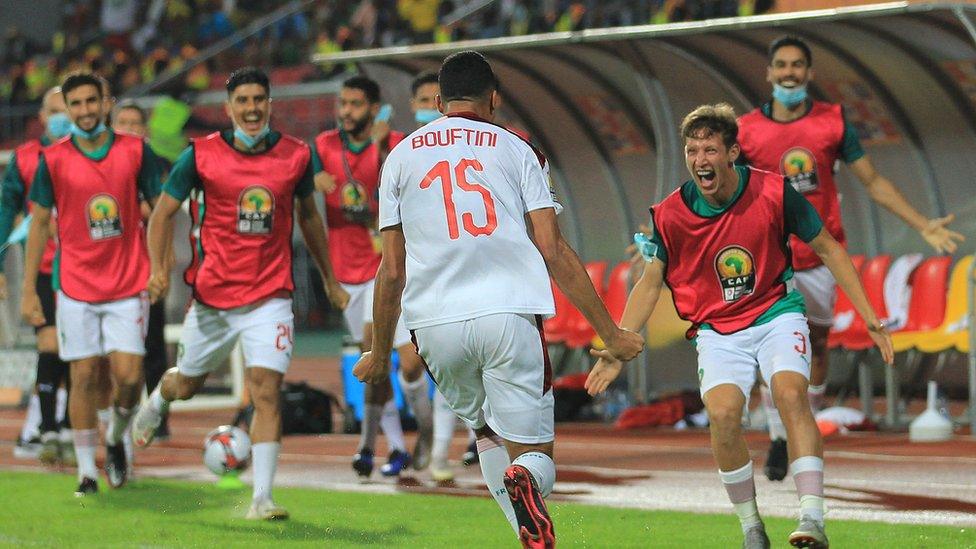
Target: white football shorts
493 370
265 329
87 330
820 293
359 312
783 344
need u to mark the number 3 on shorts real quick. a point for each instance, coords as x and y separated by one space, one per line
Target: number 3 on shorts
802 346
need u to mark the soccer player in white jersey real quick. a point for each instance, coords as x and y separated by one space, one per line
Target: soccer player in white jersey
469 230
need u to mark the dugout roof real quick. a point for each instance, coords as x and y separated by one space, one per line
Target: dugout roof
605 105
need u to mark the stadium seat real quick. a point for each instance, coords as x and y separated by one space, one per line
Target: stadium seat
618 289
927 308
953 331
873 274
844 312
555 327
580 333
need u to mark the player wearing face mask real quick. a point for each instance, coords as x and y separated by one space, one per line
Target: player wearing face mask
51 438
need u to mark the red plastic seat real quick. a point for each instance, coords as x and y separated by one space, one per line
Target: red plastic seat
557 326
926 310
873 274
843 307
618 289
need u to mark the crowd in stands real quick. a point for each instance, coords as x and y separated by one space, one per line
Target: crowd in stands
131 42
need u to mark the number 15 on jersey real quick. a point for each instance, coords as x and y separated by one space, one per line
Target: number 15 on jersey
443 171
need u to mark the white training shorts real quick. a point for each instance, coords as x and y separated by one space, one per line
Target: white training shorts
819 290
782 344
493 369
265 329
359 312
88 330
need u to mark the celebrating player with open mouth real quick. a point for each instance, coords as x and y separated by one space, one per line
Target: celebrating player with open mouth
721 242
253 181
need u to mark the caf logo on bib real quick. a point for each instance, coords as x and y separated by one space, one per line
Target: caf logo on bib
799 167
103 217
255 211
353 194
736 273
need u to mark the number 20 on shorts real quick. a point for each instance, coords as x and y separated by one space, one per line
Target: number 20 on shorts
443 171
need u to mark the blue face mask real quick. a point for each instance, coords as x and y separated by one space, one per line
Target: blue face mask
790 97
426 116
251 141
90 135
58 125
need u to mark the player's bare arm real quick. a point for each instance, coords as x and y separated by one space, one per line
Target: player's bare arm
391 277
640 304
568 271
313 230
37 236
159 238
884 192
836 259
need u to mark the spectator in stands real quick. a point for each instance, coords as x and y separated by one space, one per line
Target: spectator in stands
422 17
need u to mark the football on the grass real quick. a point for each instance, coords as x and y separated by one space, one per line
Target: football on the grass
227 449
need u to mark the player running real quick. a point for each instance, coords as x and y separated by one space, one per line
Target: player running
94 179
253 179
469 232
348 161
54 438
803 139
721 242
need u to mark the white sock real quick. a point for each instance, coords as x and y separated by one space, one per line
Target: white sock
157 402
444 421
118 425
808 472
415 393
390 423
265 456
816 393
542 468
742 493
494 460
773 422
372 413
104 418
472 436
32 421
86 441
62 404
127 445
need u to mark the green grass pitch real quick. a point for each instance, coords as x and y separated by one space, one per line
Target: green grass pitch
39 510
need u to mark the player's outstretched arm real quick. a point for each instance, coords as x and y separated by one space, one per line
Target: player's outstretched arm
570 275
640 304
884 192
159 238
313 230
836 259
391 277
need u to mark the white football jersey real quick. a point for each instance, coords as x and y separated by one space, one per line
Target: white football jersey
460 187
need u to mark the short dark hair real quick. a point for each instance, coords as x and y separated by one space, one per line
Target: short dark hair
248 75
79 79
466 75
368 86
422 79
708 120
790 40
130 104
